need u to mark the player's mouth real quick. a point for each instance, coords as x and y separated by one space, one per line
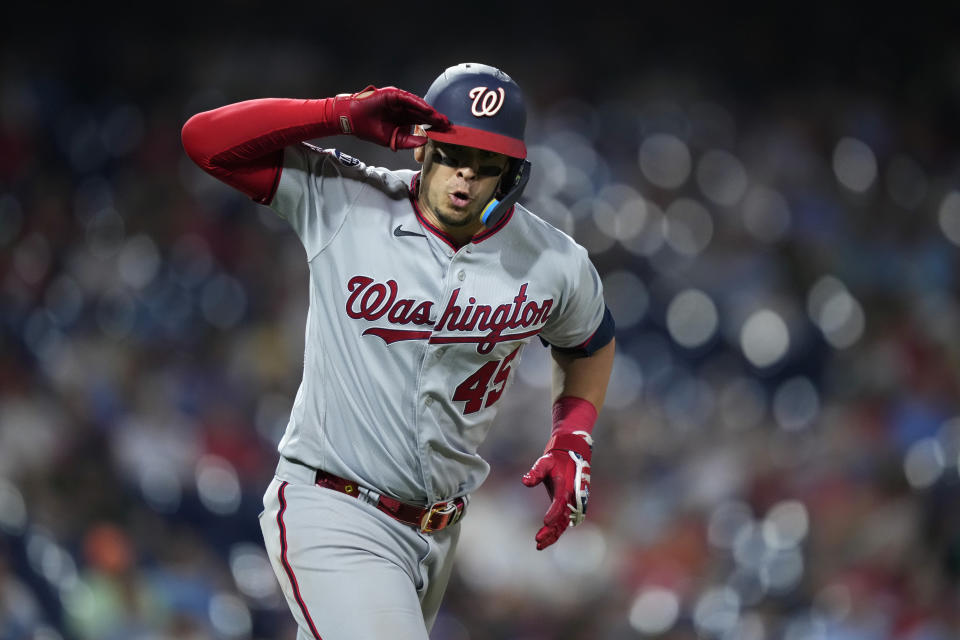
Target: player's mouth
460 199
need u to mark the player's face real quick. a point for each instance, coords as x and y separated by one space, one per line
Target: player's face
459 181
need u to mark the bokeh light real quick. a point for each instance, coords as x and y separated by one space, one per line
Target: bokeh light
764 338
721 177
50 560
592 547
834 602
687 226
782 572
218 485
717 611
654 610
229 616
45 632
806 627
161 487
750 547
836 312
620 212
854 164
796 404
138 261
692 318
786 525
750 626
13 509
650 238
665 160
924 463
948 437
949 216
252 572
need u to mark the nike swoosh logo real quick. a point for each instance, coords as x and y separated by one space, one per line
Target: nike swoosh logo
400 232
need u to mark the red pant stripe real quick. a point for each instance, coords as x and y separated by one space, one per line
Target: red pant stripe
286 565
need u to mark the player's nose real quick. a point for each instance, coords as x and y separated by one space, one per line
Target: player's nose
467 171
469 167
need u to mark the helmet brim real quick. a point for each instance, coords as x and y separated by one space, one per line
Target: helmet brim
479 139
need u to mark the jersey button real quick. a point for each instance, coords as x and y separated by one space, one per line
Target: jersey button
461 275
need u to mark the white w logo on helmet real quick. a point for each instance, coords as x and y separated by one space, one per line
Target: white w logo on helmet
486 103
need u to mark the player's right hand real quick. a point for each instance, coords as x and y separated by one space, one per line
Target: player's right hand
385 116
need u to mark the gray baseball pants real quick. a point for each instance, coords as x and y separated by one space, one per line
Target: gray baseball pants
348 570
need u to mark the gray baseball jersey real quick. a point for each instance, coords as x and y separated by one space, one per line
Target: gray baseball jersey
410 342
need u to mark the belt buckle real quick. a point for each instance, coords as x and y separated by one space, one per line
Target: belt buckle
447 508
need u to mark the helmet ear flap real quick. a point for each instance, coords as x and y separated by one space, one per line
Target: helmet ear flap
511 187
509 178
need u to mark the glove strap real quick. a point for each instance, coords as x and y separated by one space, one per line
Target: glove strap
339 112
581 490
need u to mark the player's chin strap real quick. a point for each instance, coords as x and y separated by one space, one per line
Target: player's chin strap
495 210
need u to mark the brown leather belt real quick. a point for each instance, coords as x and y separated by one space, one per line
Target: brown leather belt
427 519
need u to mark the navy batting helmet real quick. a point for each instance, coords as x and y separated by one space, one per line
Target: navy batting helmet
485 108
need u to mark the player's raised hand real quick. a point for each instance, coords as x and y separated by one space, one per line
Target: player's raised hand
566 475
385 116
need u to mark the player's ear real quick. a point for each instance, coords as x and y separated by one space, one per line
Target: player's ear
419 153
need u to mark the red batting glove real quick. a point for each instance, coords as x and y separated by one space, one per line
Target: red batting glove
564 467
384 116
566 475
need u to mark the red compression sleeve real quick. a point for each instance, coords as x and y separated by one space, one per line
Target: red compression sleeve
572 414
242 144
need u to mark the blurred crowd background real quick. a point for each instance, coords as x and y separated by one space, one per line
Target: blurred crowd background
772 200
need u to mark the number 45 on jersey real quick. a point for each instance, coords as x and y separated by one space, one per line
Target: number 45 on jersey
485 386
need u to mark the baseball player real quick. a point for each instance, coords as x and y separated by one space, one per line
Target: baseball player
424 289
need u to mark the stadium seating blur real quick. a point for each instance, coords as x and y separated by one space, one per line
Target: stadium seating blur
777 225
